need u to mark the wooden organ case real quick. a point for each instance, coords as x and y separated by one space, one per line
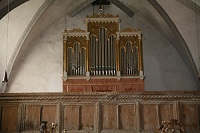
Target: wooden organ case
103 58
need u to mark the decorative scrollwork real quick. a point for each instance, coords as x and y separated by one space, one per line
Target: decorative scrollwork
173 126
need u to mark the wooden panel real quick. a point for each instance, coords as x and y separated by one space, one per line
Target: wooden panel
104 85
87 117
109 116
32 119
149 117
1 111
71 117
127 117
49 115
9 118
189 117
166 112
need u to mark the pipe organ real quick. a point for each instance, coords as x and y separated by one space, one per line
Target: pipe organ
102 52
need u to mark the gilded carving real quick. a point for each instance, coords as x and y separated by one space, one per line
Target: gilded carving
76 30
130 30
102 16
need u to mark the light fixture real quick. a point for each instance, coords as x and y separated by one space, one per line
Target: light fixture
100 8
100 4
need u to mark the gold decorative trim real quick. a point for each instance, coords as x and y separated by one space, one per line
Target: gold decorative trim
76 30
102 16
130 30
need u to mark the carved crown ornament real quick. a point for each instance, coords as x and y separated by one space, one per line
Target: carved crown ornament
102 16
76 30
130 30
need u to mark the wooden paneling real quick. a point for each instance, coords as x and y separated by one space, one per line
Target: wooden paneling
127 118
104 85
109 112
87 117
149 117
9 118
99 112
71 117
49 114
32 117
166 112
189 117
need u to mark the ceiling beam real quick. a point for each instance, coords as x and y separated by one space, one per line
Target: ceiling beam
81 7
123 7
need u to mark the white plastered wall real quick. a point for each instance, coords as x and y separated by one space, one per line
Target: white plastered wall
12 28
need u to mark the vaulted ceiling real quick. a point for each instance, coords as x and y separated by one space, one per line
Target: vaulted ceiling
151 10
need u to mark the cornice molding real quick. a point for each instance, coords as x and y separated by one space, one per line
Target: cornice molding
112 96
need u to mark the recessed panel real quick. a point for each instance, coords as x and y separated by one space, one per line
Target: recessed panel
109 116
149 117
71 117
87 117
166 112
9 118
189 117
127 117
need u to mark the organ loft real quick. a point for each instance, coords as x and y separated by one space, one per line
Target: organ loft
103 58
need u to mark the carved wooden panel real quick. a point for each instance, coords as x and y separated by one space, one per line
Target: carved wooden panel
166 112
71 117
87 117
190 117
49 114
109 112
127 118
9 118
149 117
32 117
